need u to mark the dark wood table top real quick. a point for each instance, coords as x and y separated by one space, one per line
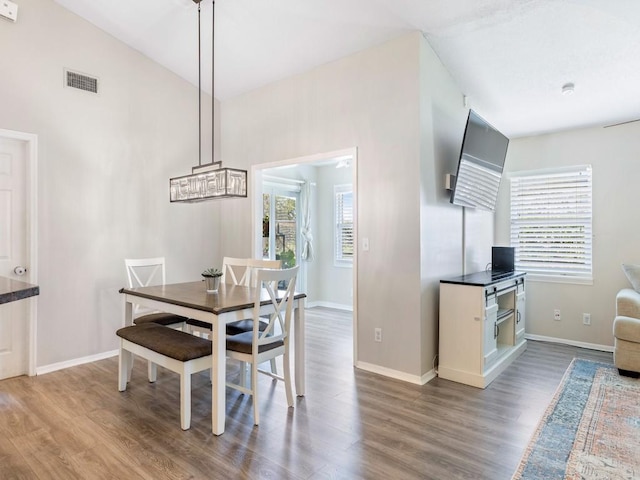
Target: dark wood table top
12 290
194 295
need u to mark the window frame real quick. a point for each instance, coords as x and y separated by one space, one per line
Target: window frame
339 226
569 205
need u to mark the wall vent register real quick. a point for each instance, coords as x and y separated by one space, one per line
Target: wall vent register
81 81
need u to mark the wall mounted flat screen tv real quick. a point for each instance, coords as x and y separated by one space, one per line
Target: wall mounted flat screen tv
480 166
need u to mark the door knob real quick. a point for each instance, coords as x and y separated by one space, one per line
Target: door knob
20 270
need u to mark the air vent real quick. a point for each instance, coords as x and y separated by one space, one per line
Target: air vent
81 81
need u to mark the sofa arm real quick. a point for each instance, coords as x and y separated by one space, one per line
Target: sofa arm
628 303
627 328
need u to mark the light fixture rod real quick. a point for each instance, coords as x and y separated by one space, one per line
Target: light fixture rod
213 79
199 93
210 180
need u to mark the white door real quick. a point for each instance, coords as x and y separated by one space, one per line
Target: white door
14 316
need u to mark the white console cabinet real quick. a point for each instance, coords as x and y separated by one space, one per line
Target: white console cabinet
482 325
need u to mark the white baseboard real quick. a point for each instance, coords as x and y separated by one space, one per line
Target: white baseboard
573 343
388 372
337 306
76 361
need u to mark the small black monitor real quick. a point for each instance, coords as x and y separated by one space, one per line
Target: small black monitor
502 259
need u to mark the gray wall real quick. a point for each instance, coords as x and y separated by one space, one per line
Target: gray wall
613 153
371 100
103 166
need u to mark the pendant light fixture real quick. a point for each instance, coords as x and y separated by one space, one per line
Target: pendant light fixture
210 180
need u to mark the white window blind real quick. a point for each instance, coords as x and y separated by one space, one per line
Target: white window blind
343 224
551 217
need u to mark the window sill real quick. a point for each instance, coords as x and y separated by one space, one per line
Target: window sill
533 277
339 264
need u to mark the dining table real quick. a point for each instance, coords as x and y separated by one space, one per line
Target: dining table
228 304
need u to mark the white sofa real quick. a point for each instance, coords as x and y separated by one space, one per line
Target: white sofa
626 332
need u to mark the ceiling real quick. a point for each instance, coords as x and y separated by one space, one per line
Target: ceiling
509 57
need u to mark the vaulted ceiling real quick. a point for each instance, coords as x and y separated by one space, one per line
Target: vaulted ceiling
511 58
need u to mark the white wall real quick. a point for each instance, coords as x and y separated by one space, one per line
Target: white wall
372 101
334 283
613 153
104 167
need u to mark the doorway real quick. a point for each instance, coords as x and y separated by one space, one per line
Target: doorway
18 248
295 220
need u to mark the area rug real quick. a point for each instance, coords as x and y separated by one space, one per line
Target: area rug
591 429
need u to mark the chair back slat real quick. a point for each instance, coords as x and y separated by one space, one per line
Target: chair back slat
235 271
253 264
145 272
241 271
279 323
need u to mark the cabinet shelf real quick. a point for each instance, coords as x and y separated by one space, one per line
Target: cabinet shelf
504 314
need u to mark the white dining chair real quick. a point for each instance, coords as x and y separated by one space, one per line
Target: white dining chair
258 346
145 272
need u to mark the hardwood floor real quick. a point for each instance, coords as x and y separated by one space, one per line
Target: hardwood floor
74 424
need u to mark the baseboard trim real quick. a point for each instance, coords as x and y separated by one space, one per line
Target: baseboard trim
337 306
573 343
398 375
75 362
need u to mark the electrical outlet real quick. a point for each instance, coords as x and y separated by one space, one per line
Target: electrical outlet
377 334
556 314
586 318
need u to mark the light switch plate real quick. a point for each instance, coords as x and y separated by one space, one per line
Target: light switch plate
8 10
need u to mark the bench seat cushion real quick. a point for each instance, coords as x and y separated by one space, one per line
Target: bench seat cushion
167 341
161 318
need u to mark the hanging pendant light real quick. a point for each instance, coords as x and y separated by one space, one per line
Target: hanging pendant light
210 180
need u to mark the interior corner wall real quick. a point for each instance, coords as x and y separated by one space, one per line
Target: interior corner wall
613 154
368 100
104 163
442 123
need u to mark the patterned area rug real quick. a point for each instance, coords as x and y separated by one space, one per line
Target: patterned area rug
591 429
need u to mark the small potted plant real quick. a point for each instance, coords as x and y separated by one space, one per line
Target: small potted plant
212 279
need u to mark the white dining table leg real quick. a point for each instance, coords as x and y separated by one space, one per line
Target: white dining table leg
128 321
128 313
298 331
218 376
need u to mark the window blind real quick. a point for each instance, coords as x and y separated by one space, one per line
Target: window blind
344 224
551 222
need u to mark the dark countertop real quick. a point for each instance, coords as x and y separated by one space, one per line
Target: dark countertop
12 290
483 279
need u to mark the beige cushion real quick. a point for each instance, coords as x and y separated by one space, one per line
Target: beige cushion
628 303
633 275
626 355
627 328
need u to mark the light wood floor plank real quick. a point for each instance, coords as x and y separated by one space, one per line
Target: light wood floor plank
351 424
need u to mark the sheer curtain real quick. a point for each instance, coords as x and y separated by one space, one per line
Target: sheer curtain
305 231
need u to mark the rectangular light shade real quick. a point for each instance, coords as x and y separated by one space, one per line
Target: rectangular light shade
219 183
